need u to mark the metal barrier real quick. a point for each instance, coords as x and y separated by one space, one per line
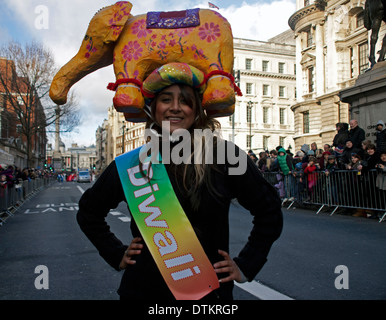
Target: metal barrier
340 188
12 198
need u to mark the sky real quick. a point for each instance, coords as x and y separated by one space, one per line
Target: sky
61 25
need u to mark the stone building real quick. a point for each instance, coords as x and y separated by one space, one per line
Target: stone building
263 118
331 52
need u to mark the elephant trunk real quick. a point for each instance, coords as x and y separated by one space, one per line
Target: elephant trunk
77 68
96 50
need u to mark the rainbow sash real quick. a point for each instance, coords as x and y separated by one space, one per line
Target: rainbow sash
165 228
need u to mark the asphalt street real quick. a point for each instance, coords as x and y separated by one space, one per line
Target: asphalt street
317 257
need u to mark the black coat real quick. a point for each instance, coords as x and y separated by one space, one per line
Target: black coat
210 222
357 136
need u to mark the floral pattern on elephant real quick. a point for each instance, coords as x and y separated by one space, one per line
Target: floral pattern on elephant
116 37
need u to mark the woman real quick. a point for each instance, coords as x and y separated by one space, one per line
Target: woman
204 191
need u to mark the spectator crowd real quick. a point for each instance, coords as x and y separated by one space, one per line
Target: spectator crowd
311 168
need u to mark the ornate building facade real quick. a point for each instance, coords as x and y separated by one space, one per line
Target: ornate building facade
263 118
331 51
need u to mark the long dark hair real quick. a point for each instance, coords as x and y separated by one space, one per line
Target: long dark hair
193 175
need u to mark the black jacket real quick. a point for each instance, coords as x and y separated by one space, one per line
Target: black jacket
210 222
357 136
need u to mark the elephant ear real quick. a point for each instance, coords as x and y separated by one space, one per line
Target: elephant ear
116 17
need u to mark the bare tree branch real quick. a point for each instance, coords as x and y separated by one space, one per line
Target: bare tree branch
25 81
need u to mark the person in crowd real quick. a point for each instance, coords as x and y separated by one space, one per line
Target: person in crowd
356 134
299 183
3 181
371 158
332 181
299 156
327 147
355 184
252 155
340 138
369 164
262 162
323 160
285 165
355 163
381 136
381 180
331 165
310 172
314 149
272 161
279 186
363 151
345 158
305 148
204 190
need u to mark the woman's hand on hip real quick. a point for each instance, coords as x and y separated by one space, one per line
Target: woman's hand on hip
133 249
227 266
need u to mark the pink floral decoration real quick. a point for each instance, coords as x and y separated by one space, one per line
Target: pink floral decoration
139 28
210 32
132 51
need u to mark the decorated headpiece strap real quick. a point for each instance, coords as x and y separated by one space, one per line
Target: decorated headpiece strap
225 74
114 85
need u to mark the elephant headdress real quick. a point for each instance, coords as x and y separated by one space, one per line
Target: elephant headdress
138 45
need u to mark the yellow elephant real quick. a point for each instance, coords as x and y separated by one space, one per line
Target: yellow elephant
137 45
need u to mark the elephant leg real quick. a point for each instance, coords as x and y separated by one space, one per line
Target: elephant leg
128 97
219 93
226 112
135 117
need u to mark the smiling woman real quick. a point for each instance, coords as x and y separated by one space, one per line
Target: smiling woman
175 105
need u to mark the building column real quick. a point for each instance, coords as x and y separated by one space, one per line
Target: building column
319 63
299 71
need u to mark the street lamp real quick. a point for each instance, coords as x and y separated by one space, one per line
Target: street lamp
249 119
123 136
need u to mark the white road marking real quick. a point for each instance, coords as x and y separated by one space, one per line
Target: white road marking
125 219
261 291
115 213
80 189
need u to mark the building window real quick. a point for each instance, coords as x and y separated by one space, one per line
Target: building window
281 91
360 19
249 88
281 67
248 64
282 115
352 63
265 90
310 40
249 114
249 141
306 122
363 61
265 114
281 141
265 65
265 142
311 79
